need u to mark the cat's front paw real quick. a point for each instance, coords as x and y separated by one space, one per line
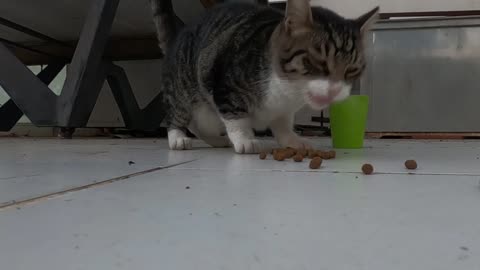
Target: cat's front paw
177 140
249 146
180 144
296 142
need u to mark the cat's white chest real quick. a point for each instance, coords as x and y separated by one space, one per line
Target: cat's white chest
283 98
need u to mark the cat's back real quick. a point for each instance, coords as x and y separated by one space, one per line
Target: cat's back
226 33
233 21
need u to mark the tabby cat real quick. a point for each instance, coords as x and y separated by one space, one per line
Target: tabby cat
244 67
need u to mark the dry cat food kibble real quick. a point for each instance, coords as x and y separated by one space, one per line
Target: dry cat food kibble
298 158
316 163
298 155
411 164
290 152
324 155
279 150
279 156
293 150
367 169
303 152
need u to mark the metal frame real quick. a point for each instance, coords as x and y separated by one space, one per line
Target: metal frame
10 113
31 32
85 77
135 118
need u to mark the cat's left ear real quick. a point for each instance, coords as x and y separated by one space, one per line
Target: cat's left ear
367 20
298 17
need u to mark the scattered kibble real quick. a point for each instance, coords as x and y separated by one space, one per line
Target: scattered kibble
290 152
324 155
298 155
312 154
367 169
298 158
279 156
293 150
317 157
303 152
411 164
316 163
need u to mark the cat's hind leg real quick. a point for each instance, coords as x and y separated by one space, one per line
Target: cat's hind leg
177 121
208 127
215 141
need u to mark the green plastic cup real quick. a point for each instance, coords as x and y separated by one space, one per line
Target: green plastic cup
348 120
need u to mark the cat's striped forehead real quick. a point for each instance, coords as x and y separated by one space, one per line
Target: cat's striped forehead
332 49
344 42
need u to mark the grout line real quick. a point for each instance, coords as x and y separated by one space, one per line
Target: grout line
93 185
21 176
337 172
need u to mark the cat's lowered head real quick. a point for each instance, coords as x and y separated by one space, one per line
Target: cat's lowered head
321 51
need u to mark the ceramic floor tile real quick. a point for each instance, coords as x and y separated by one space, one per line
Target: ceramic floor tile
227 211
35 167
197 219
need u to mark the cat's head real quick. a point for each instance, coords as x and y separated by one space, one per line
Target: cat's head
321 51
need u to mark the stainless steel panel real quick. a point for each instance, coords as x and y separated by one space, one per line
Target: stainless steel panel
424 76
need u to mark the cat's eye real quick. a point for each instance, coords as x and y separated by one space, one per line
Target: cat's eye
319 69
324 66
309 68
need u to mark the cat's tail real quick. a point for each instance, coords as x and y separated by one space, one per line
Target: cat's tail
167 24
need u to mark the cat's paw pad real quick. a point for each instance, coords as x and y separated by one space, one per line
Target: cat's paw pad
297 143
180 143
249 146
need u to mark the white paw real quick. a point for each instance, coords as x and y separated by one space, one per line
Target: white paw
180 144
249 146
296 142
177 140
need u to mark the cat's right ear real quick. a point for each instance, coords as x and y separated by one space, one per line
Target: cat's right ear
298 17
367 20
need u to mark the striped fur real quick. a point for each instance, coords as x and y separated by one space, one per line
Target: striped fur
247 66
166 23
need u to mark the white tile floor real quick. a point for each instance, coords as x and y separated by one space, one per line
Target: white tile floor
238 212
